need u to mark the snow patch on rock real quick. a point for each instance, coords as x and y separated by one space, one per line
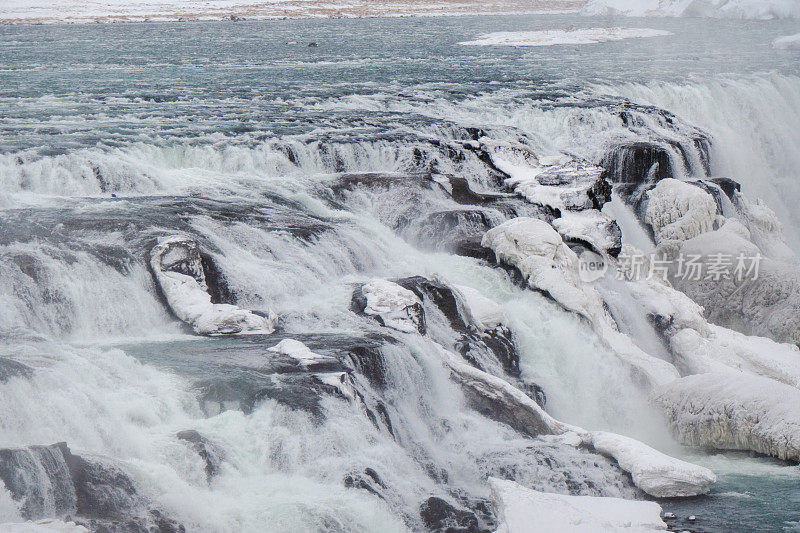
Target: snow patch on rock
522 510
300 352
396 306
178 269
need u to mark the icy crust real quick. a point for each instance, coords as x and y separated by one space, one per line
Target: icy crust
178 269
566 36
558 182
679 211
548 265
734 412
659 475
48 525
737 9
522 510
789 42
478 310
395 306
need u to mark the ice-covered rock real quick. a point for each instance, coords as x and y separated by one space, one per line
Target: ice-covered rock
678 211
657 474
522 510
590 228
47 525
393 306
560 183
788 42
549 266
301 353
728 411
178 269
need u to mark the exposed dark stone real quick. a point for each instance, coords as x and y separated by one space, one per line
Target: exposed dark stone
369 481
38 477
472 247
728 186
535 392
208 452
11 369
215 281
637 162
440 516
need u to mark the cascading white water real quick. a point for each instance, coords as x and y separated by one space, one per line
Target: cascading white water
754 123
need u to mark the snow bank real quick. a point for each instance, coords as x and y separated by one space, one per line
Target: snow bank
178 269
549 266
789 42
300 352
737 9
395 306
677 210
49 525
565 36
659 475
591 227
522 510
734 412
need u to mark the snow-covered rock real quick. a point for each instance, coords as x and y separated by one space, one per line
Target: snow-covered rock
549 266
396 307
657 474
737 9
789 42
478 310
678 211
592 227
300 352
522 510
559 182
570 36
178 269
47 525
726 411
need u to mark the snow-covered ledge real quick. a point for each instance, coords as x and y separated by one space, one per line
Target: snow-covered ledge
522 510
393 306
178 269
659 475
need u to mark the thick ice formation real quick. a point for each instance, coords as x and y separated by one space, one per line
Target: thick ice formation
789 42
566 36
395 306
657 474
300 352
478 310
177 266
724 350
48 525
734 412
679 211
522 510
739 9
548 265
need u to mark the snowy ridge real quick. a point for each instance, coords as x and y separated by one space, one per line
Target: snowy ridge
568 36
738 9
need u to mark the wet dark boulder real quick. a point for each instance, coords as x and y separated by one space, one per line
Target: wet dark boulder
209 452
38 478
368 480
12 369
637 162
438 515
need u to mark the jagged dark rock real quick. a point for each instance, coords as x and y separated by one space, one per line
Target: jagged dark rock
440 516
210 454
